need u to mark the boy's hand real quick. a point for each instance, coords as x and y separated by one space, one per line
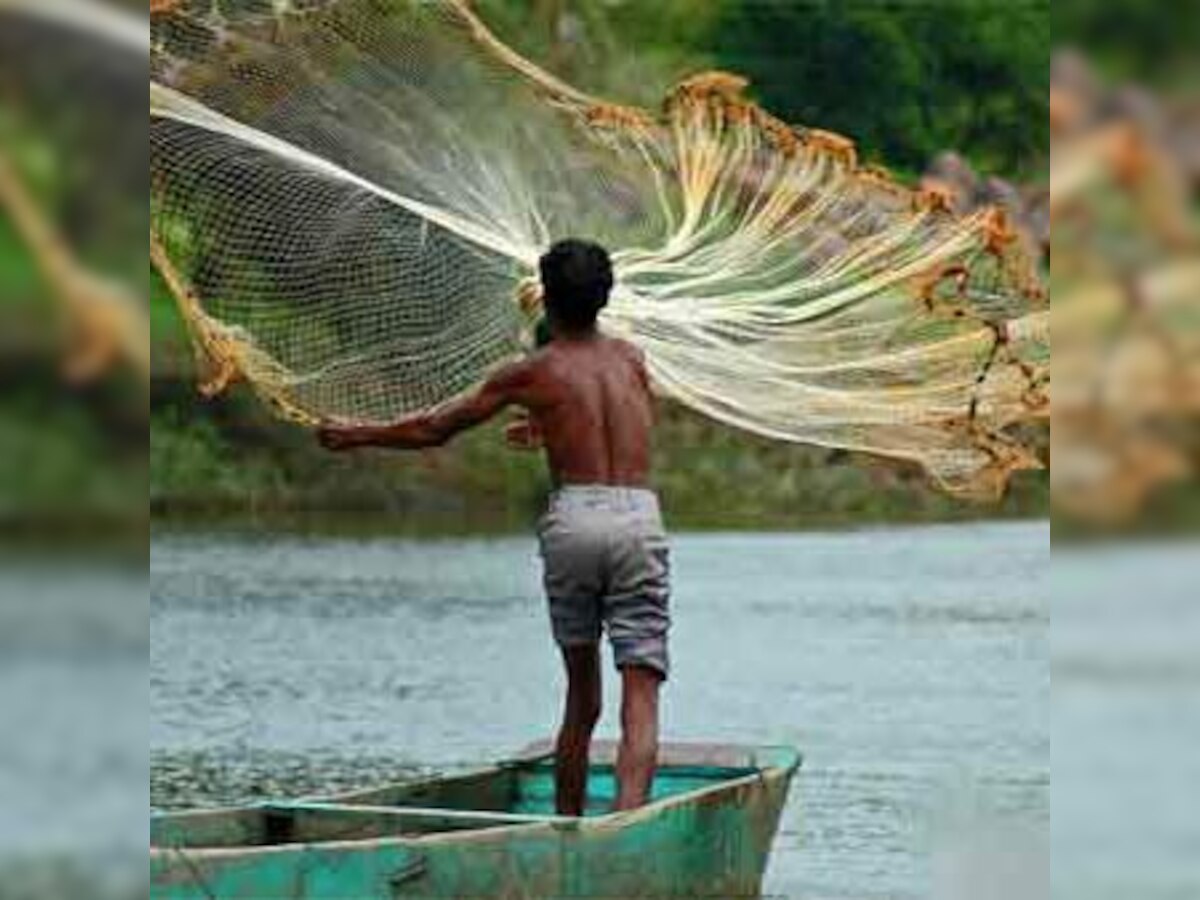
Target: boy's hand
338 438
523 434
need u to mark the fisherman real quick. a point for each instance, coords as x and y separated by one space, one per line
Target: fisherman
589 405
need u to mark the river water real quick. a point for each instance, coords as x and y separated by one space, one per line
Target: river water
910 666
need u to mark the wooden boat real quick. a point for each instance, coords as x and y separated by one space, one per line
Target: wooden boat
491 833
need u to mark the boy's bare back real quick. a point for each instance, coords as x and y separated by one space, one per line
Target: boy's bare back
590 398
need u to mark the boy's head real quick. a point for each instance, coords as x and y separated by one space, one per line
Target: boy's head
577 277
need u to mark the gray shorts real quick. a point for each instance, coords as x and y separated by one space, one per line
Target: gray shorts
607 564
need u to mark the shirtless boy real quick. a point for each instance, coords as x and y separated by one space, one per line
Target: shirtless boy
602 540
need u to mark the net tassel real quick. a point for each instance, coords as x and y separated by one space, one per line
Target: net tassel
217 351
837 146
1012 250
228 355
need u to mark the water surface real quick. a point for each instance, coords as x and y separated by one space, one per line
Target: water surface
910 666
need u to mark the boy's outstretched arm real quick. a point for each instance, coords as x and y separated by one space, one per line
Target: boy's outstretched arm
434 429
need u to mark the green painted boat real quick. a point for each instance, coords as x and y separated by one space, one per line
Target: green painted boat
491 833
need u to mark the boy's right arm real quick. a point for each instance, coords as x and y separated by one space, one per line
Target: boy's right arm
508 386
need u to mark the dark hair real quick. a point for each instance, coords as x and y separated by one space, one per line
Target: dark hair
577 277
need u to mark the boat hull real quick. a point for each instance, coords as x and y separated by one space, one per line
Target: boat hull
713 841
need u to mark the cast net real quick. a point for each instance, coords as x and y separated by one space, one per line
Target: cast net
349 199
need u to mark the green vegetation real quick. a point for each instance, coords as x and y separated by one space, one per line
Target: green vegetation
226 461
905 80
1140 40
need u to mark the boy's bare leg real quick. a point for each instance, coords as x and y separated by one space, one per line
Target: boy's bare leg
638 754
579 721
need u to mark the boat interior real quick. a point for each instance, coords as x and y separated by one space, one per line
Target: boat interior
516 793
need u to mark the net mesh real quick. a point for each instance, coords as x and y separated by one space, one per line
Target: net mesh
349 199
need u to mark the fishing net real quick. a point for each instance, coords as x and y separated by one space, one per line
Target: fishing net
349 199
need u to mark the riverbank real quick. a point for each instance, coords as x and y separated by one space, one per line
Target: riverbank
226 462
